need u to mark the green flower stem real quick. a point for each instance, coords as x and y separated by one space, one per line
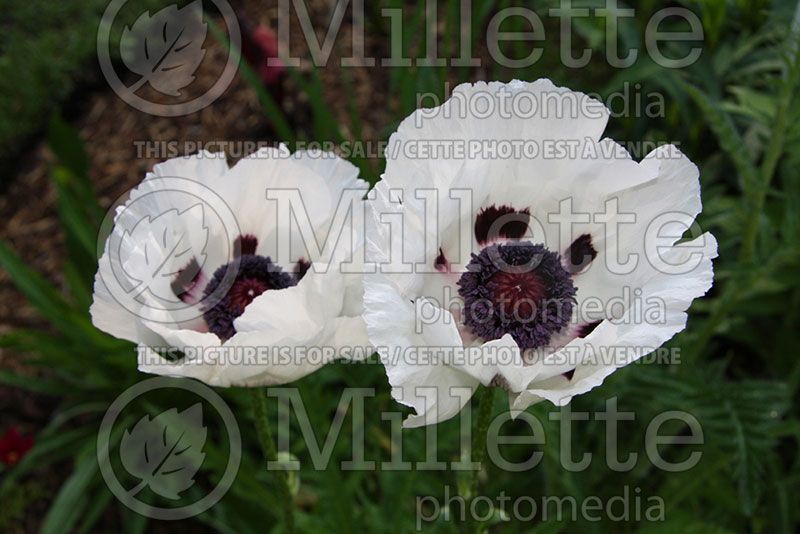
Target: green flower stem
271 455
485 402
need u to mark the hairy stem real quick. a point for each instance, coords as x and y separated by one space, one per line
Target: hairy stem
271 455
485 401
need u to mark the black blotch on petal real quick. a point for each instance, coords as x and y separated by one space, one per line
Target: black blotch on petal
580 254
440 263
588 328
185 281
583 331
301 268
245 244
506 222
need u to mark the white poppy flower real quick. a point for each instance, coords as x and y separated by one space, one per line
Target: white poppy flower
483 281
214 282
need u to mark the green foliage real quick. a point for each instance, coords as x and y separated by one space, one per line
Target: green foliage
46 48
15 502
38 67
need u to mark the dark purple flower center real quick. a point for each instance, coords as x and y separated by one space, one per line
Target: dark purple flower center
516 288
254 275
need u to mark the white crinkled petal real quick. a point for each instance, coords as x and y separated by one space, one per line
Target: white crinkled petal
282 336
673 192
316 299
499 359
149 361
420 380
615 344
323 311
107 314
205 167
320 185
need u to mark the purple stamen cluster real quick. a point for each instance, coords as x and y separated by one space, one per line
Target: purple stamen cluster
254 275
517 288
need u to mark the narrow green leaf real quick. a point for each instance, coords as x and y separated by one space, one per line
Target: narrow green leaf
72 215
96 507
66 144
47 450
326 128
72 499
40 293
271 109
32 383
